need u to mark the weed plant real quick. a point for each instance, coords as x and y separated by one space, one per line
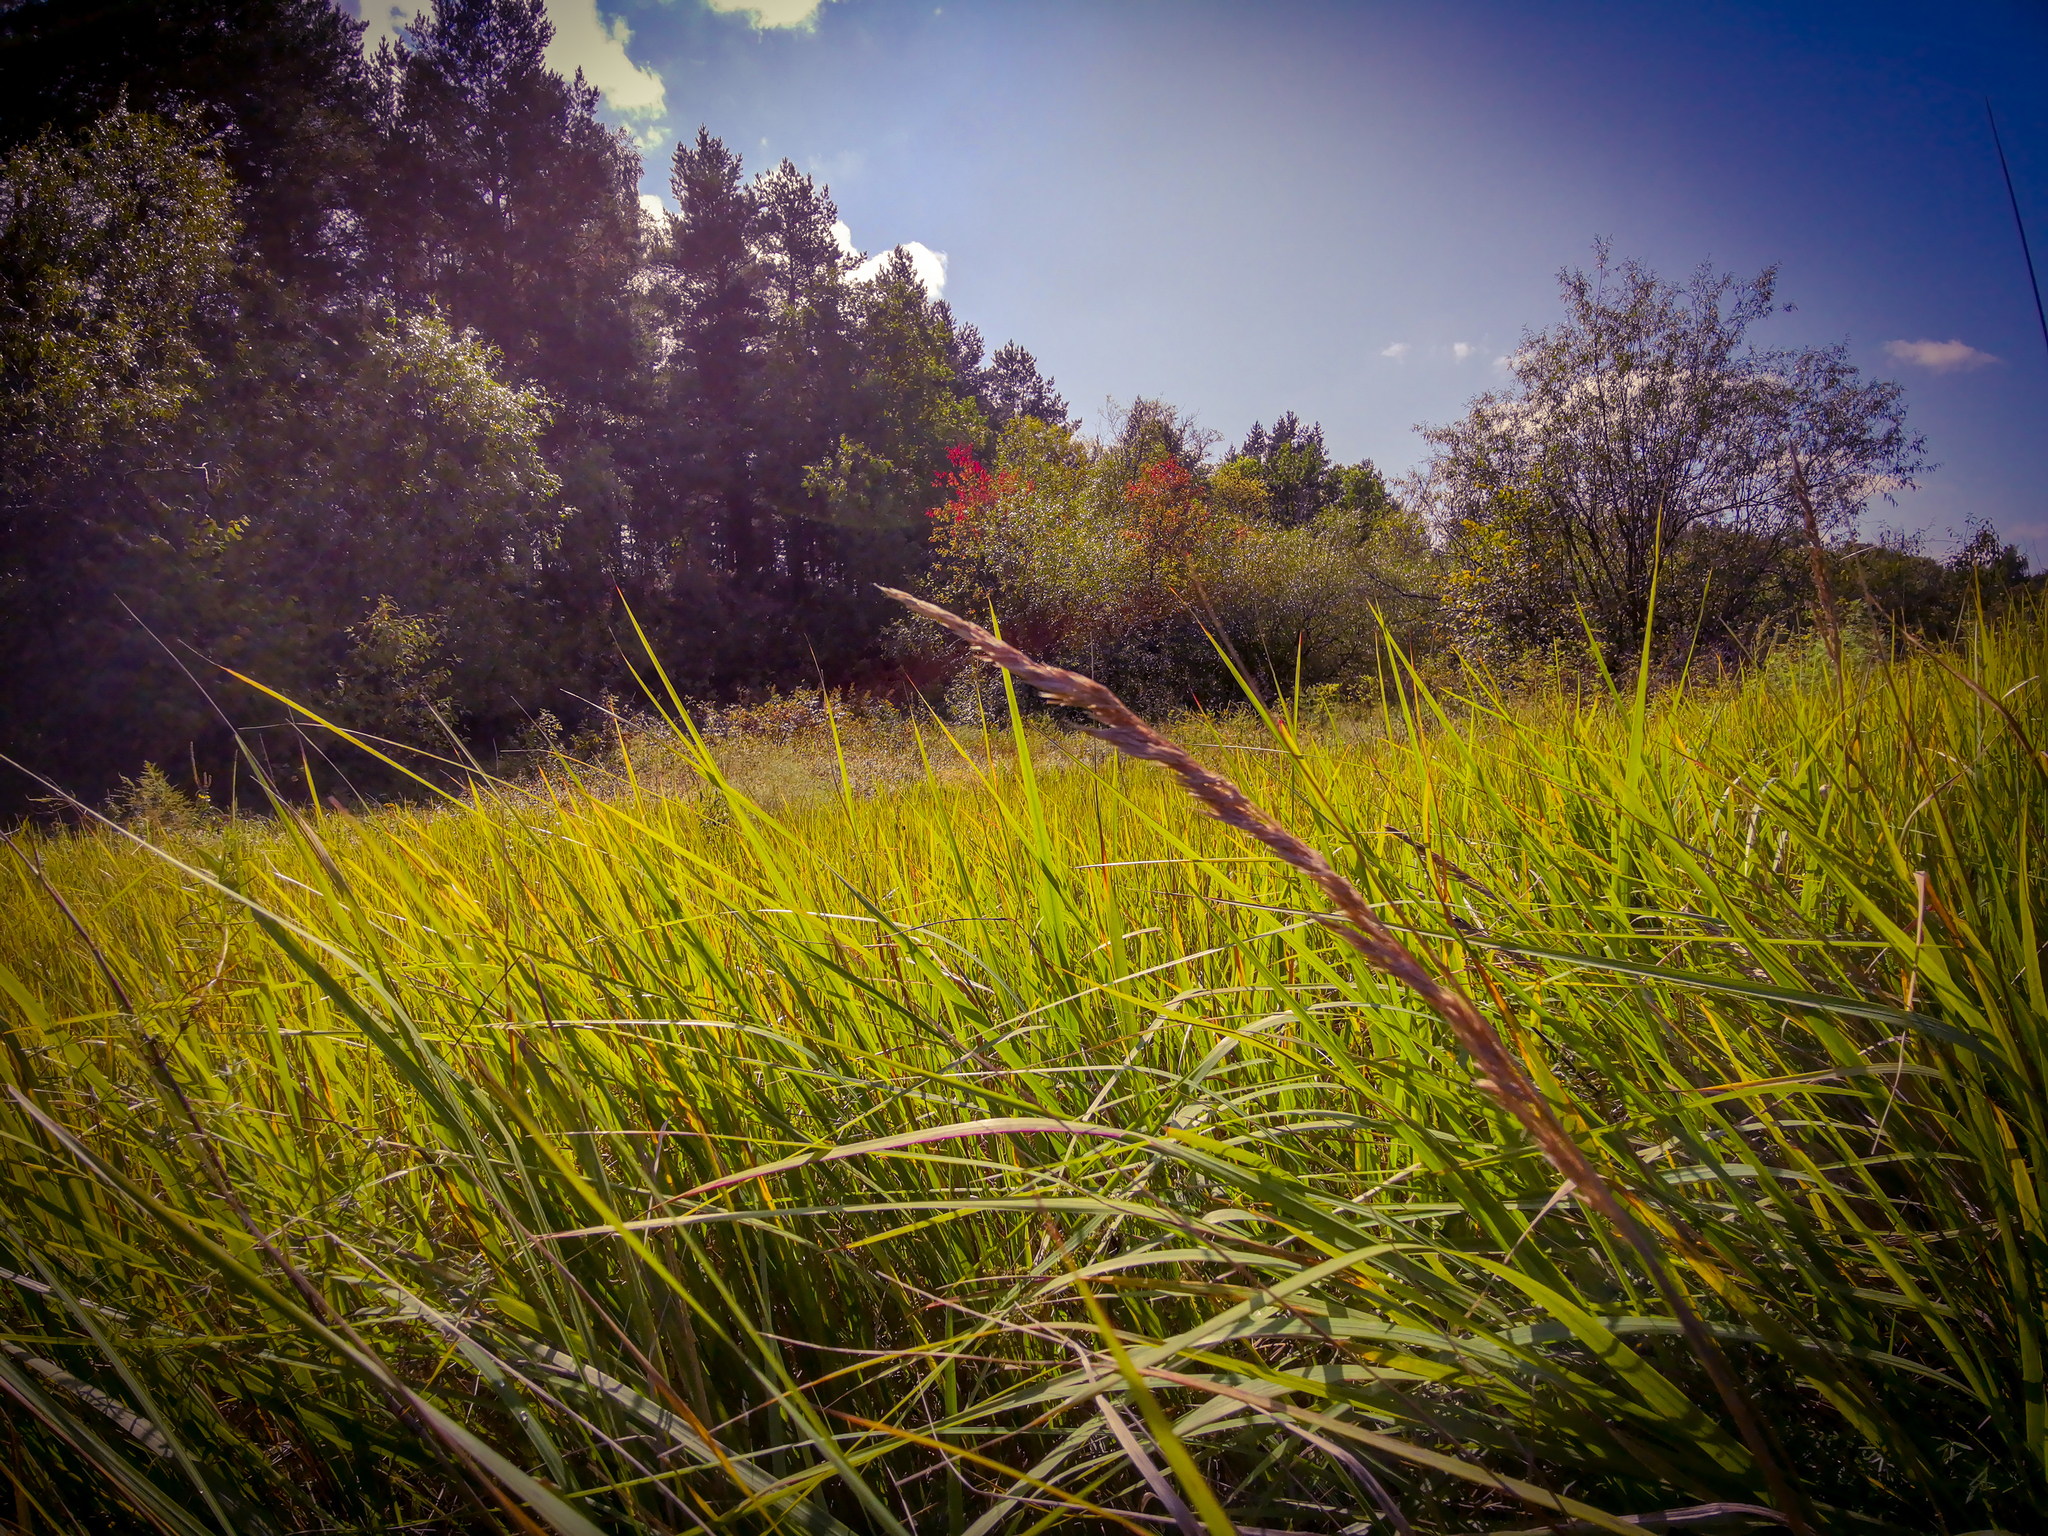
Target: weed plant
1005 1150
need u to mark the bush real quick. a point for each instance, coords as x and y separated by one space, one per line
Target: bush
1124 565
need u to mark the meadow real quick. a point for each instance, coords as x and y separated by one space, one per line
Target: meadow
986 1140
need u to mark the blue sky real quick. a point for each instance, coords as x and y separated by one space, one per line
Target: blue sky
1353 210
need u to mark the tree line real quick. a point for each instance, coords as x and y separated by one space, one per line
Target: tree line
368 379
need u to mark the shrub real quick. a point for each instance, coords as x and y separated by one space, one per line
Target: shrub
1120 569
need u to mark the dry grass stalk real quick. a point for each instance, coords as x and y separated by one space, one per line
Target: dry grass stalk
1503 1076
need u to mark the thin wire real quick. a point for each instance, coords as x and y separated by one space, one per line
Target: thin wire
2039 313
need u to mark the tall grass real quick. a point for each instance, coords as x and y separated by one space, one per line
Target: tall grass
1016 1149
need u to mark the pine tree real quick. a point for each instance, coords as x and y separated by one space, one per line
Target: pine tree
502 198
1010 386
719 302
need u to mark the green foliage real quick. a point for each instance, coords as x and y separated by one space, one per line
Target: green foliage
1300 478
1509 589
499 197
397 680
1989 560
151 805
322 333
908 404
278 88
803 416
650 1159
109 246
442 359
1903 587
307 479
1010 386
1119 571
112 248
418 485
1659 451
474 458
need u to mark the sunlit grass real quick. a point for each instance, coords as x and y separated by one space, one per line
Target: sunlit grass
1005 1145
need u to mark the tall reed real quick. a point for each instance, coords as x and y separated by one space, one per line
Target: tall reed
1032 1150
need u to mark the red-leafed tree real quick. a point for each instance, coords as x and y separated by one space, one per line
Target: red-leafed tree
1171 516
975 499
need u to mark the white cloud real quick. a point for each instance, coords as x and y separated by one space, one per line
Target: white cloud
384 20
652 206
769 14
1502 364
929 265
1462 350
1939 356
1398 351
583 40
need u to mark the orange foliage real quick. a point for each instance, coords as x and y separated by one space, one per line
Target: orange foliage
1172 516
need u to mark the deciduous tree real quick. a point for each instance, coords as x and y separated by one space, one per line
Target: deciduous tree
1645 433
278 86
1119 572
110 245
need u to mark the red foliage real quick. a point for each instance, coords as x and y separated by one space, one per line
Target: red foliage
1171 512
974 492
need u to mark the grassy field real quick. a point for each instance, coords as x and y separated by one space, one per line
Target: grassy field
1005 1145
